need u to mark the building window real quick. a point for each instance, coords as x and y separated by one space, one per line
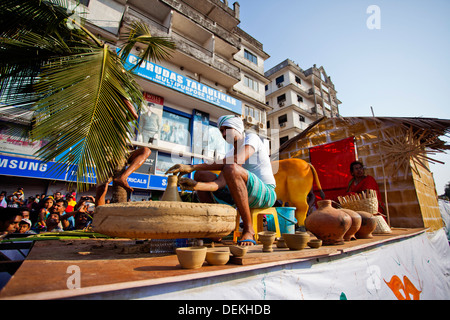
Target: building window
282 119
299 98
281 99
175 129
279 80
301 118
266 87
283 139
268 124
250 56
256 114
252 84
298 80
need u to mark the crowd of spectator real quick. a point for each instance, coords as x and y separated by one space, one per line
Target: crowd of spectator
44 213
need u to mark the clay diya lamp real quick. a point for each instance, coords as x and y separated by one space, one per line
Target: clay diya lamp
368 225
356 224
296 241
267 238
314 243
281 243
239 251
217 257
191 257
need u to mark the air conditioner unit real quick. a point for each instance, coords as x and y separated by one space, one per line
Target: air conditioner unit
282 125
261 125
280 85
250 120
281 104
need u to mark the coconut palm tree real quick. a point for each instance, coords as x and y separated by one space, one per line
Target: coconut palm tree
82 98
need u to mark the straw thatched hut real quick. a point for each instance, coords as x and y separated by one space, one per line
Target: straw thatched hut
395 151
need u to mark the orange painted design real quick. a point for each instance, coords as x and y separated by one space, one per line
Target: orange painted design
407 286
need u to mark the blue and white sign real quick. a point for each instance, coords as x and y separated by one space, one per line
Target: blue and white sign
30 168
175 81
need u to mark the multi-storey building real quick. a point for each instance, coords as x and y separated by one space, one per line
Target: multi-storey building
297 97
216 69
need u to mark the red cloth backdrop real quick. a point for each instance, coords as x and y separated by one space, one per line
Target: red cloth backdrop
332 163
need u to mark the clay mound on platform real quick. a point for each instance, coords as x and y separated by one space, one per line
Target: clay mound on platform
164 220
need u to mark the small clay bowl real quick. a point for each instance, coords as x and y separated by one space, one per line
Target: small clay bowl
217 257
281 243
296 241
191 257
239 251
314 243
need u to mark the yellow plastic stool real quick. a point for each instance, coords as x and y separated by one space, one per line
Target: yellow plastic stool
258 222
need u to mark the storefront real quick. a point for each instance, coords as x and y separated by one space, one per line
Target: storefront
170 124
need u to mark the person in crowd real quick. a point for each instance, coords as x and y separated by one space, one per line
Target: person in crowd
362 182
246 179
70 202
25 226
44 212
3 202
9 221
52 223
57 195
19 194
15 200
25 212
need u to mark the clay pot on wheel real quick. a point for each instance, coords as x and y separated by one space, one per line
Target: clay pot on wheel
328 224
171 193
356 224
368 225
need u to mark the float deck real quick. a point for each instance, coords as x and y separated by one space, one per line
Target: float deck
109 265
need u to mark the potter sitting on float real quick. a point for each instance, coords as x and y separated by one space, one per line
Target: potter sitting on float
246 179
362 182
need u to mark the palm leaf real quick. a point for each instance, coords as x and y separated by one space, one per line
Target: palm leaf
155 48
84 112
76 86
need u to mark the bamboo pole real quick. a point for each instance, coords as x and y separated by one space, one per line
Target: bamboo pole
382 166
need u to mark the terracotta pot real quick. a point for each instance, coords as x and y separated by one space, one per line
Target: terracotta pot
281 243
296 241
191 257
239 251
368 225
217 257
267 238
314 243
356 224
171 193
328 224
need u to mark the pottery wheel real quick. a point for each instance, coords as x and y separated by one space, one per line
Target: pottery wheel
164 220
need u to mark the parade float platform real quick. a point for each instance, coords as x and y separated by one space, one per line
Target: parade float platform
115 269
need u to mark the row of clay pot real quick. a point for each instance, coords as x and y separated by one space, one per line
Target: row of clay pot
193 257
334 226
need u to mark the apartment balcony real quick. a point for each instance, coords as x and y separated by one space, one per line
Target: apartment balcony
195 52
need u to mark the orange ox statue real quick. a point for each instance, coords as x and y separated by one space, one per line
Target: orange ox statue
294 178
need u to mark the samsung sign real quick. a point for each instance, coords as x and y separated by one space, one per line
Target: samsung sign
175 81
31 168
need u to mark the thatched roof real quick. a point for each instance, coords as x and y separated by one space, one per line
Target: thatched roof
429 128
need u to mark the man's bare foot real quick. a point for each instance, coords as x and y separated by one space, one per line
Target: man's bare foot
123 183
247 239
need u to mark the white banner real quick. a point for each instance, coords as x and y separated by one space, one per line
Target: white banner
415 268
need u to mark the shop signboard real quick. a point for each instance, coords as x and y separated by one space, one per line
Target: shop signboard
29 168
168 78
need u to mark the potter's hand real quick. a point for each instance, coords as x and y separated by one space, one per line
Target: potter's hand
187 184
180 169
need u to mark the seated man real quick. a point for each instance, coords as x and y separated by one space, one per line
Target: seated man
246 179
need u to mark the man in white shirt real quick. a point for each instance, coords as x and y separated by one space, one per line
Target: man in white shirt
246 179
